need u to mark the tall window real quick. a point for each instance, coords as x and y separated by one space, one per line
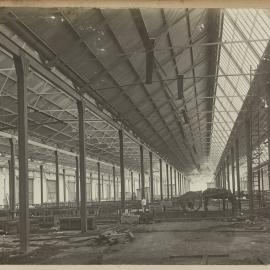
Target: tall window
51 190
71 187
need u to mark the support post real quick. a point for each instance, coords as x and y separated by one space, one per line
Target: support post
122 172
268 132
102 188
228 173
91 187
57 178
117 188
12 192
41 184
151 176
224 175
132 187
237 167
175 187
181 186
142 172
64 184
167 175
21 68
233 174
77 183
114 187
109 187
82 154
178 183
160 179
249 165
99 185
171 182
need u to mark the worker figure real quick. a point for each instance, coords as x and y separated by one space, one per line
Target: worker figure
143 205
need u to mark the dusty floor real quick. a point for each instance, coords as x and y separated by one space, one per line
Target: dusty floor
193 242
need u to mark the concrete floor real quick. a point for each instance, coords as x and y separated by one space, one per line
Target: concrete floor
161 243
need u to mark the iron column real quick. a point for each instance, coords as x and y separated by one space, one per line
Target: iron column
99 187
237 172
114 187
12 200
171 181
82 154
249 164
142 172
151 176
122 172
167 174
228 173
160 177
131 175
175 189
21 68
233 174
57 177
77 183
41 184
64 184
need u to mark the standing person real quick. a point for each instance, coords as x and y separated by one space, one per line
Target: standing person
143 205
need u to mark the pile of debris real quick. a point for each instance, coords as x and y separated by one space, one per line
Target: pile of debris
113 237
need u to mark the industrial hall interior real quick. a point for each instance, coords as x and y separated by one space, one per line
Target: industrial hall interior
134 136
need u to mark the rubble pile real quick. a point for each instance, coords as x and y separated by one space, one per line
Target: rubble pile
114 237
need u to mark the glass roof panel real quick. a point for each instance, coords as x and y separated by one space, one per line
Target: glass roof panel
245 36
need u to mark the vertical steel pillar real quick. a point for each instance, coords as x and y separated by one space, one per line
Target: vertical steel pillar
114 187
175 188
57 177
183 184
142 172
132 186
233 174
268 133
160 179
64 184
167 175
122 171
102 188
41 184
139 181
109 187
12 199
117 188
21 68
91 187
228 173
171 181
82 152
249 164
180 187
178 183
237 167
151 176
77 183
224 175
263 204
99 187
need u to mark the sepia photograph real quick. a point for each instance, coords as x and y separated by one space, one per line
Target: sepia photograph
134 134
